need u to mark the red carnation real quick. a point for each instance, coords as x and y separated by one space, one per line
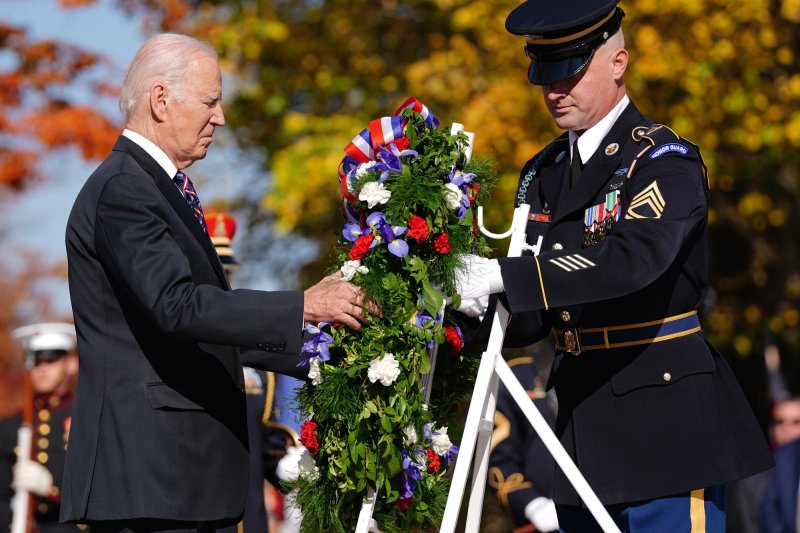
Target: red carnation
417 228
403 503
308 436
402 143
434 464
361 246
453 338
472 192
442 244
475 229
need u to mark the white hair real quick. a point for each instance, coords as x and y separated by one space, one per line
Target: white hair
164 59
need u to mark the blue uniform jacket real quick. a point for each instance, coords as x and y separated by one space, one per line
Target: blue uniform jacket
641 421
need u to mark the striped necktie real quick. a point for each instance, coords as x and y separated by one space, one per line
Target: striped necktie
190 195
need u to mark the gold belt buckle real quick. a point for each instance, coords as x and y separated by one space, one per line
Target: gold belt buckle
572 341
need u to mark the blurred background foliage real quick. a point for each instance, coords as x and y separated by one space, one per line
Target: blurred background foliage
303 77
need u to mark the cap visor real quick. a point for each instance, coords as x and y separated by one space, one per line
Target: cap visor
550 72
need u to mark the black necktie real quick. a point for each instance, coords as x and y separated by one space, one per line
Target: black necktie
576 167
190 195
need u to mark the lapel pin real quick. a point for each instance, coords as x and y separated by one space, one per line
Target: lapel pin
612 149
560 156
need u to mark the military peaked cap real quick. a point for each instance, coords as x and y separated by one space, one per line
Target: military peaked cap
561 36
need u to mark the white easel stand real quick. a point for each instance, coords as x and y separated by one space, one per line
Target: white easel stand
480 416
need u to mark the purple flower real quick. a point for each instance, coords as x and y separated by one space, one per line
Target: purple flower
461 179
390 161
387 233
317 345
411 474
351 232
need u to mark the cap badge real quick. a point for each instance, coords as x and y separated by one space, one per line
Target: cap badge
560 156
612 149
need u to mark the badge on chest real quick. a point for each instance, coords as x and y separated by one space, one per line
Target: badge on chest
600 218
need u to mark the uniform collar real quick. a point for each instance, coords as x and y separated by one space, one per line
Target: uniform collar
589 142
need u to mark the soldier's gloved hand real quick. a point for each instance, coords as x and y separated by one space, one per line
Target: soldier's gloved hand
478 277
32 477
474 307
541 512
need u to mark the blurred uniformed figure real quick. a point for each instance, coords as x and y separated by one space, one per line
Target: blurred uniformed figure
53 381
268 439
520 466
649 411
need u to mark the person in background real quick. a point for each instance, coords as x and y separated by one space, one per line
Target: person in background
520 466
648 410
786 421
268 439
52 379
159 435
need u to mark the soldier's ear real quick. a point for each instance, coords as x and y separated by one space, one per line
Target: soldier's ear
619 62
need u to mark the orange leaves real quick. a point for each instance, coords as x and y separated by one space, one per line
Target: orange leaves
16 167
86 129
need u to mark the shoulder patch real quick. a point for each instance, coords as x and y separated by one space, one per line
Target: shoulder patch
667 148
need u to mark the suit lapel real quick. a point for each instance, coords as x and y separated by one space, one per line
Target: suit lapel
175 199
599 168
553 177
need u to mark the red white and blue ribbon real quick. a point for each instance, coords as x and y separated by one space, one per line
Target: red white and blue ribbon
380 132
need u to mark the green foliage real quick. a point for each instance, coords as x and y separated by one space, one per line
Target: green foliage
372 429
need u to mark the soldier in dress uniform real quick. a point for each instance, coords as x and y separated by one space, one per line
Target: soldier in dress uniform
649 411
268 439
520 467
53 379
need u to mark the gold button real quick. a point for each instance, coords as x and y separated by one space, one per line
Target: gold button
54 401
44 429
565 316
44 415
42 508
42 457
667 376
43 443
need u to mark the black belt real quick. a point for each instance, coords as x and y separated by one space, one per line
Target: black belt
577 340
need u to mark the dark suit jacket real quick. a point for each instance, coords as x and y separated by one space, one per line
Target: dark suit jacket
645 421
779 503
159 427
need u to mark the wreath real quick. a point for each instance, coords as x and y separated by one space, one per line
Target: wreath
410 193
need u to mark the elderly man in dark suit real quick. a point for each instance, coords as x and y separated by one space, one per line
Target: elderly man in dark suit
648 409
159 436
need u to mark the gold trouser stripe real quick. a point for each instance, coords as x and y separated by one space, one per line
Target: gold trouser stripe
697 511
559 40
524 360
541 282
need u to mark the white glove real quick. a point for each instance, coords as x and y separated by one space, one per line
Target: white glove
478 277
32 477
288 467
541 512
474 307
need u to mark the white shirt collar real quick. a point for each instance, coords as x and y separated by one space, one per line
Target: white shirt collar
589 142
153 151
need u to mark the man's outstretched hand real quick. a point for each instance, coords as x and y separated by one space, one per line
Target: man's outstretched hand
336 300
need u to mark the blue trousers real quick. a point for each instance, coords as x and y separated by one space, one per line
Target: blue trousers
698 511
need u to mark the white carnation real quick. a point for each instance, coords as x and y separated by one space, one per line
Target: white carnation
375 193
410 435
314 371
363 168
386 369
441 443
306 467
452 196
349 269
